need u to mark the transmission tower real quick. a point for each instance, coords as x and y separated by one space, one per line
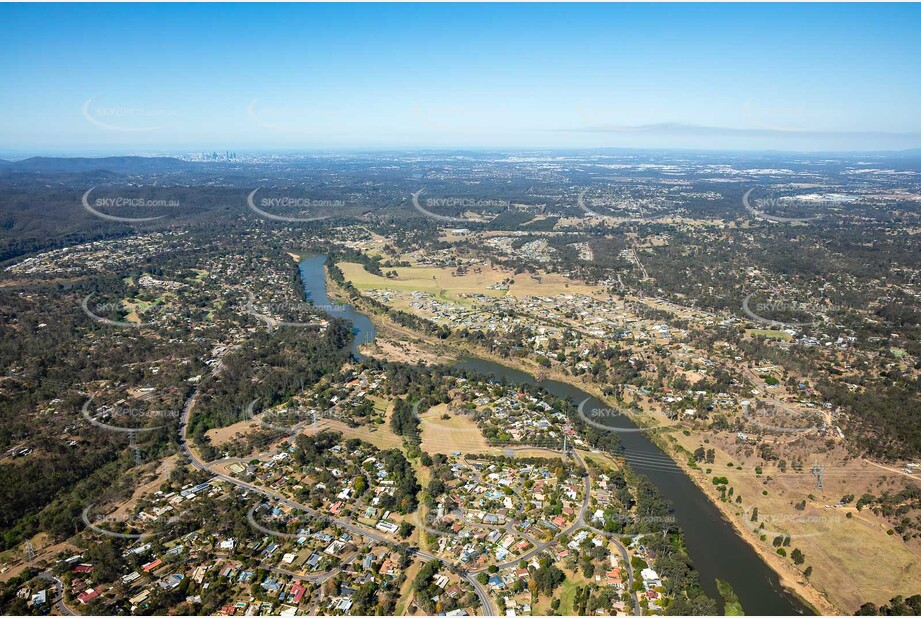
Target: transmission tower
818 472
133 443
30 553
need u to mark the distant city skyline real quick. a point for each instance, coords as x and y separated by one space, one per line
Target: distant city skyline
97 79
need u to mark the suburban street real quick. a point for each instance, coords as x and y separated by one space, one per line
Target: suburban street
197 462
58 598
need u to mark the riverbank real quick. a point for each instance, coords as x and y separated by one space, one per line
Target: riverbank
808 597
800 589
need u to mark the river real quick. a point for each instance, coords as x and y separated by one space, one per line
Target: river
715 548
313 276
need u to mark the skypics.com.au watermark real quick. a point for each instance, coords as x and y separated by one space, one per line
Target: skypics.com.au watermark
770 427
93 312
289 202
265 312
760 206
129 119
768 524
133 203
100 524
126 521
758 310
132 414
291 521
625 218
596 417
466 203
122 412
295 418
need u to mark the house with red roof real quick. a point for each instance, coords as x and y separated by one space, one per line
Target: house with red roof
295 594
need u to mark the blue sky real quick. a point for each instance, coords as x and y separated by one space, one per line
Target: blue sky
172 78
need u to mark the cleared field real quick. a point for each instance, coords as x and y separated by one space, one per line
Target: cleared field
382 437
442 283
853 558
535 452
406 590
13 561
392 348
459 433
566 593
223 435
602 459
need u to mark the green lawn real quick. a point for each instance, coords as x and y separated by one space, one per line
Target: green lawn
567 594
770 334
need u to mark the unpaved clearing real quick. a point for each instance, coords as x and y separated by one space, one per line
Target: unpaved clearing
160 477
458 433
381 437
232 433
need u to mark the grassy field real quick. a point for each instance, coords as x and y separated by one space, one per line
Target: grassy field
13 561
137 308
602 459
381 437
853 558
440 282
459 433
770 334
223 435
406 590
567 592
154 478
525 453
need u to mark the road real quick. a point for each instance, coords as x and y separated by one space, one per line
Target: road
627 567
469 575
317 578
578 523
198 463
58 598
581 523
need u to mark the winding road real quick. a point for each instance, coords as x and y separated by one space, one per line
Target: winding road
200 464
58 600
469 575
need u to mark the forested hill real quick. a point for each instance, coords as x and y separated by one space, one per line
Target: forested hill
79 165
